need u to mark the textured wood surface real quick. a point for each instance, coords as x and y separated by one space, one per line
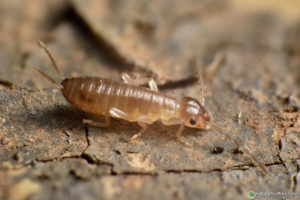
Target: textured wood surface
253 96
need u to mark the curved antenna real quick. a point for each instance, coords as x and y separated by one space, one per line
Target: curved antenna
42 45
202 99
49 78
198 64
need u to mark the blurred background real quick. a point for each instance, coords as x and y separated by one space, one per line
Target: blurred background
150 37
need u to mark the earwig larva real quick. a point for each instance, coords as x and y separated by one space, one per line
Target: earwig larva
110 98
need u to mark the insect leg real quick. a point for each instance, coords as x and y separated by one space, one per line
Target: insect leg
179 136
152 85
201 98
137 81
128 80
198 64
114 112
98 124
135 136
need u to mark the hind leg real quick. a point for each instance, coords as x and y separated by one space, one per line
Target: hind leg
112 112
152 85
104 124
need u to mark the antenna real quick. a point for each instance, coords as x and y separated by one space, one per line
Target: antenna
42 45
198 64
49 78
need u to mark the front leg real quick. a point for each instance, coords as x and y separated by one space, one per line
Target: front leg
179 136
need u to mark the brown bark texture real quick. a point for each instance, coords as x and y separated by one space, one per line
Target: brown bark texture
247 51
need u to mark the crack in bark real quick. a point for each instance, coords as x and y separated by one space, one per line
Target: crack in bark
92 160
234 168
88 142
82 155
88 157
131 173
7 84
279 157
113 172
60 158
294 178
273 163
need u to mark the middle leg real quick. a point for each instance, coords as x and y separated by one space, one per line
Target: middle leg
137 135
143 122
151 83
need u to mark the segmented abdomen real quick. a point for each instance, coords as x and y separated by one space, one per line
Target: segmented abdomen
97 96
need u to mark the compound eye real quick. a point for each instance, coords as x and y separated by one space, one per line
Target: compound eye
192 121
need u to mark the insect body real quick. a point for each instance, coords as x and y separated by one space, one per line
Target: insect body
123 100
101 96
